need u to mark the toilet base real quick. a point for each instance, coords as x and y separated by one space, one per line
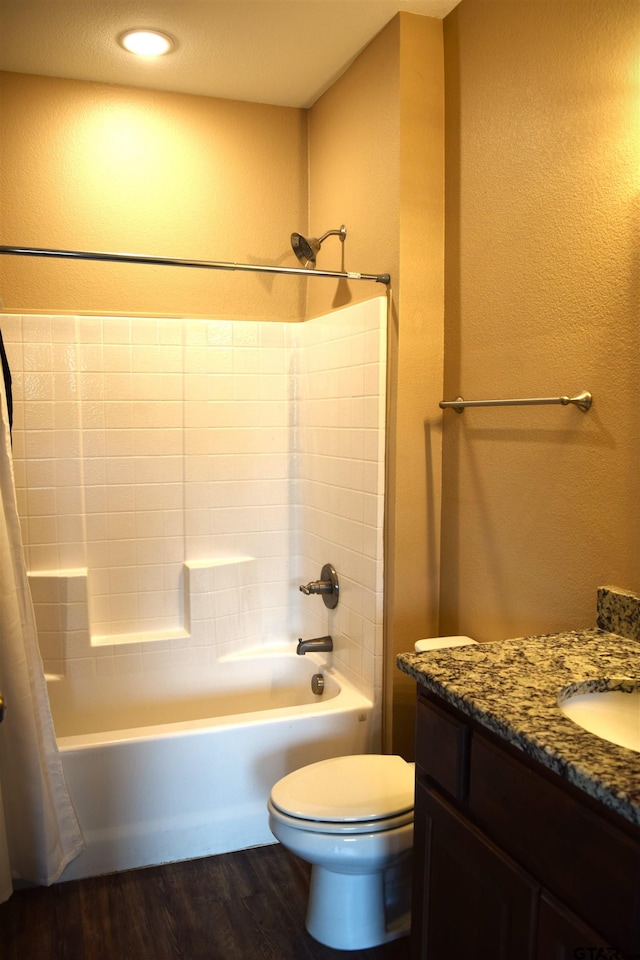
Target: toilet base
348 911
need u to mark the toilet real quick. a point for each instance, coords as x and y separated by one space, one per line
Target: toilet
351 818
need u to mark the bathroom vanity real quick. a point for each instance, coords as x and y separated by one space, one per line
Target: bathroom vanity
527 827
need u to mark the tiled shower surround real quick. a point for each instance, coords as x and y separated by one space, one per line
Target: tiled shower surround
178 479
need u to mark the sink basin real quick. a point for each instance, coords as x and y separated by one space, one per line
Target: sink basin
608 707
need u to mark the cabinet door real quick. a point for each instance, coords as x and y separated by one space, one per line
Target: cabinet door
578 854
562 936
470 900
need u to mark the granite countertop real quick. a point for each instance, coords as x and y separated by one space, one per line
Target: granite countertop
511 688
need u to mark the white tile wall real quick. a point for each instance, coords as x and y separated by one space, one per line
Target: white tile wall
340 389
177 480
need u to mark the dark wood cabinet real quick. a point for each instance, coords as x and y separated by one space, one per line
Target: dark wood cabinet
510 861
562 936
475 901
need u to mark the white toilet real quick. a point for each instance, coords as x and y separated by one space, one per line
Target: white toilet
352 819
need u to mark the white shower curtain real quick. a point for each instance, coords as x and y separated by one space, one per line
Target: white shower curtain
39 832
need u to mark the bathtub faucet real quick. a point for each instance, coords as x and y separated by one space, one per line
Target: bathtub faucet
319 645
327 586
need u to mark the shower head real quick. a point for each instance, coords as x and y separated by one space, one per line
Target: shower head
306 248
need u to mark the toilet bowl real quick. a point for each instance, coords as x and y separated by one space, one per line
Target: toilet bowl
351 818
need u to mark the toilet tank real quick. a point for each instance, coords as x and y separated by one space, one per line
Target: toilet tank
440 643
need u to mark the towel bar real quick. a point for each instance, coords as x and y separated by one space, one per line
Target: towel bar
582 400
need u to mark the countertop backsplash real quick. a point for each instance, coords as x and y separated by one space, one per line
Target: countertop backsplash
619 612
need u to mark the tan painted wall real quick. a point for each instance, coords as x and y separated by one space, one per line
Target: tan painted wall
98 167
354 149
376 164
541 505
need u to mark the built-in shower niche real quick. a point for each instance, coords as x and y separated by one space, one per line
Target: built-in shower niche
221 609
178 480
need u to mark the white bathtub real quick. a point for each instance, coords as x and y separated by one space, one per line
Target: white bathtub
156 778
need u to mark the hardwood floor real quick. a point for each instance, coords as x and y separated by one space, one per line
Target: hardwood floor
248 905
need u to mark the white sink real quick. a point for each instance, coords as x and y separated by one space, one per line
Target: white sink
609 707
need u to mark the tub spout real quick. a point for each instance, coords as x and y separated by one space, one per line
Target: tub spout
327 586
319 645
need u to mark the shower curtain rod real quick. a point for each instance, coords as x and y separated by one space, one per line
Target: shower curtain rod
200 264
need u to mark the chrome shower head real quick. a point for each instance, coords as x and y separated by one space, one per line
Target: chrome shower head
306 248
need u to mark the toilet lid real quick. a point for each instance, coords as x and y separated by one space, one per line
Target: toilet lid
347 789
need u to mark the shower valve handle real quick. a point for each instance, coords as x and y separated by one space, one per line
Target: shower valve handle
327 586
317 586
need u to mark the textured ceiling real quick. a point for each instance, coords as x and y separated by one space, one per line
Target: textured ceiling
283 52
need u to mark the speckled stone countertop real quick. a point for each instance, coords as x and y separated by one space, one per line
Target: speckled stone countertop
511 688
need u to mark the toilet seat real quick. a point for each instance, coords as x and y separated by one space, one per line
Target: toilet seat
351 827
356 794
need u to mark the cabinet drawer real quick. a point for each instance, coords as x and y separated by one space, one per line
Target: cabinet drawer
581 857
442 749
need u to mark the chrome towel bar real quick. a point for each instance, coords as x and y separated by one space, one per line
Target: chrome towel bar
582 400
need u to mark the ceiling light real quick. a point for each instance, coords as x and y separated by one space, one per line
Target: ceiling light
146 43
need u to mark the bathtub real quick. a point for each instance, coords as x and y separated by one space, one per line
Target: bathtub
156 778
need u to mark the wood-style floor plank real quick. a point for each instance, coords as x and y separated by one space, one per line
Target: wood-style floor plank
248 905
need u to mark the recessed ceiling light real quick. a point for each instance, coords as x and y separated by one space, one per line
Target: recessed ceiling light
146 43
